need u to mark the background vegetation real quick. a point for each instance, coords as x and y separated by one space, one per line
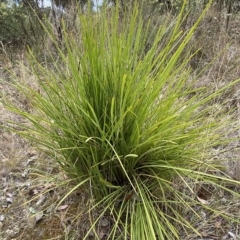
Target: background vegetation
20 18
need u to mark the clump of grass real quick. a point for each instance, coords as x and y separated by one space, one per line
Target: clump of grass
126 123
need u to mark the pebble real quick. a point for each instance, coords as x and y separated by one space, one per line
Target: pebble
224 200
104 222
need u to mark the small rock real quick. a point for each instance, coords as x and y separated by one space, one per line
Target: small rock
9 200
232 235
2 217
104 222
224 200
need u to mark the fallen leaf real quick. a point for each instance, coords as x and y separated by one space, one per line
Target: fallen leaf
62 207
9 195
39 216
202 200
40 200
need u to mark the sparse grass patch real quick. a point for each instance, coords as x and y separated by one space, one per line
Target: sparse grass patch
127 125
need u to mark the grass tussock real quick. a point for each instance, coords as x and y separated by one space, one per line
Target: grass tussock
127 123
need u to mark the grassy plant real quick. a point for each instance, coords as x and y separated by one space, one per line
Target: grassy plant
20 25
126 123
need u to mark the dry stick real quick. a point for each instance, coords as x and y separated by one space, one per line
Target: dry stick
229 12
